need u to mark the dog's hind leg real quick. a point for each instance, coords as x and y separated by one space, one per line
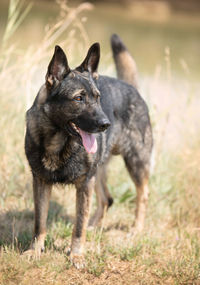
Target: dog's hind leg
104 199
139 172
142 199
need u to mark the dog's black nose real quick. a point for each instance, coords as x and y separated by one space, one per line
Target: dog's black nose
103 125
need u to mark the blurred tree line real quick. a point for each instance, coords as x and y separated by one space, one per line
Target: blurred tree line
184 5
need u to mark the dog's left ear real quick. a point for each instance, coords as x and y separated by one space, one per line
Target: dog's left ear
58 68
91 61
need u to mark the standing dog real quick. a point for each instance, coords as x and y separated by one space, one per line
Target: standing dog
77 121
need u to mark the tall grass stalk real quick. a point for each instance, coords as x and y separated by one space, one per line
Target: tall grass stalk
17 12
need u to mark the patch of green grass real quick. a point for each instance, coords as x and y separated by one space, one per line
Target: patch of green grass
130 252
62 229
96 263
96 235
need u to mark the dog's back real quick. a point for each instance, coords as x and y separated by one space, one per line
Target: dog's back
121 101
130 133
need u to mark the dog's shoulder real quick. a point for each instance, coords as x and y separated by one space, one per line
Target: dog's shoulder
116 86
122 95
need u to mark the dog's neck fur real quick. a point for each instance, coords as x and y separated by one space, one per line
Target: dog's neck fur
58 144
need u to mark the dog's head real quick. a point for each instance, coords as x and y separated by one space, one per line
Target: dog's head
72 98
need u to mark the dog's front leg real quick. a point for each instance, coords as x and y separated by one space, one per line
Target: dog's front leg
42 193
83 203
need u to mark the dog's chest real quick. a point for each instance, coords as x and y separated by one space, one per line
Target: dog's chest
52 162
58 151
65 162
63 169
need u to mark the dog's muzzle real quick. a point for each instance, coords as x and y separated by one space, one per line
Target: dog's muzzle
103 125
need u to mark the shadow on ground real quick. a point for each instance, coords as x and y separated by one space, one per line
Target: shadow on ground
16 227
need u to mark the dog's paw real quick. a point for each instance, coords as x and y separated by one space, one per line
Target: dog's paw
77 261
34 252
138 227
29 254
135 231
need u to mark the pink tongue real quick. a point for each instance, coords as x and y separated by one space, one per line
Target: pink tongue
89 141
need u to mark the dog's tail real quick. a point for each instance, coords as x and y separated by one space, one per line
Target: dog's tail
125 64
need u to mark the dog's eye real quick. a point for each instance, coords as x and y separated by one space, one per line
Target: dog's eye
78 98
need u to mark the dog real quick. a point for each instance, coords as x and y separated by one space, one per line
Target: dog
78 120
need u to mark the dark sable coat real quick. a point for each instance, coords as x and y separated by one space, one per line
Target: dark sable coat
57 156
77 121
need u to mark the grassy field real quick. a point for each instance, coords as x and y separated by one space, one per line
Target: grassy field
168 250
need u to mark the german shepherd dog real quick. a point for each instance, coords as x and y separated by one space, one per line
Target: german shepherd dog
77 121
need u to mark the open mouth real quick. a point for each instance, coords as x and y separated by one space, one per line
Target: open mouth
88 140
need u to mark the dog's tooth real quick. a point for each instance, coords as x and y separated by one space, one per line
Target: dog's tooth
75 127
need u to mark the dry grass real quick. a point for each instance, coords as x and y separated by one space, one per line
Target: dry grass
167 252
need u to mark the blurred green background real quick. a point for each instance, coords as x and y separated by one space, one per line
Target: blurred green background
147 27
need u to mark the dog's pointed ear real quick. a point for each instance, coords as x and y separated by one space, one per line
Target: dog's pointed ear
91 61
58 67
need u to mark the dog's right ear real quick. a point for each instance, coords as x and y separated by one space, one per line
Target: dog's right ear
58 68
